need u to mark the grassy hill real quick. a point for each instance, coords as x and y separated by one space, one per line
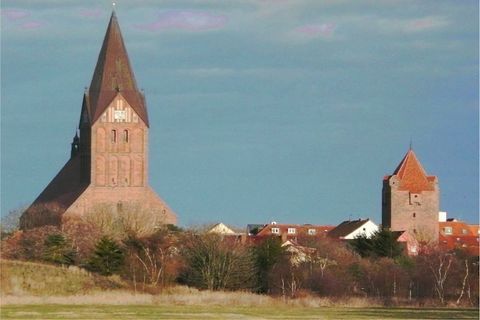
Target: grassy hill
28 278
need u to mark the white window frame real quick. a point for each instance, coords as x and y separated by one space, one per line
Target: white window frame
291 231
448 230
275 230
312 232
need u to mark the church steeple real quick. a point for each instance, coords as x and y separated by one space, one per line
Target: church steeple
113 75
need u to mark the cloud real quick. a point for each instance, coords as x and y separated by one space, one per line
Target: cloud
32 25
324 30
91 13
14 14
426 23
190 20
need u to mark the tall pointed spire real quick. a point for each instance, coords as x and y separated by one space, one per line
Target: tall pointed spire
412 175
113 74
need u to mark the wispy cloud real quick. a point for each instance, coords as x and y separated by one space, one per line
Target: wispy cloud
14 14
32 25
91 13
190 20
425 23
324 30
413 25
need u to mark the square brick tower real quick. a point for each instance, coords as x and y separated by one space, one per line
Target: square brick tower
109 159
410 200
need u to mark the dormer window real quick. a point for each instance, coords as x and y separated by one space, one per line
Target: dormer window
275 230
291 231
312 232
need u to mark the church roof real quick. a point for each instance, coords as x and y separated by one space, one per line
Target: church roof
113 74
62 191
412 176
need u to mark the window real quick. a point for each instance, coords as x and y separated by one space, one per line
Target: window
114 136
291 231
125 135
447 230
414 214
275 230
312 232
464 231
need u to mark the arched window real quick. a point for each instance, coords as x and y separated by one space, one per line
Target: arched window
114 136
125 135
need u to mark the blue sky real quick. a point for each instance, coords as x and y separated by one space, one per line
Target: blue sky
260 110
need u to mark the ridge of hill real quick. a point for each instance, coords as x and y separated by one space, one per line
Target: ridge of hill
32 278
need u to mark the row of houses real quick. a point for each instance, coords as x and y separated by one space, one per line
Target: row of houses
452 233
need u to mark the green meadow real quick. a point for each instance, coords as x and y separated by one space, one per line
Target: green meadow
224 312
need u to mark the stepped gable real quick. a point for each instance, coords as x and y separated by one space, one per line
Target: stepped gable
412 176
113 74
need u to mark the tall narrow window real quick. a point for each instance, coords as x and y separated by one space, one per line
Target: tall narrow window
125 135
114 136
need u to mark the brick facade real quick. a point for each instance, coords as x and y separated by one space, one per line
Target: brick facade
109 159
410 200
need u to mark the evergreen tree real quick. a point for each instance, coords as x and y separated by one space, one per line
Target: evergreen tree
362 245
267 255
385 244
58 250
107 258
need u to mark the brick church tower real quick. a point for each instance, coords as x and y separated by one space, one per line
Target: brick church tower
109 159
410 200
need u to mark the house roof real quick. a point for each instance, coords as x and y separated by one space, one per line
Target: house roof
346 227
300 229
64 189
412 176
113 74
467 242
458 228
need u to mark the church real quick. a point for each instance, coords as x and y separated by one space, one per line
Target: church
108 166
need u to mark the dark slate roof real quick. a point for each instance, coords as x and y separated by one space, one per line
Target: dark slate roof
113 74
63 190
345 228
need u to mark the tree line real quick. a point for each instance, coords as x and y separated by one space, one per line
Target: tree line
167 255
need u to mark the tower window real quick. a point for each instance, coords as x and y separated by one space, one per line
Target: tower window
125 135
114 136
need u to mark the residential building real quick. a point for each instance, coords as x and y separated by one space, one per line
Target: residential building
350 229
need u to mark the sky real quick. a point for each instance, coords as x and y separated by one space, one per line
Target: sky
260 110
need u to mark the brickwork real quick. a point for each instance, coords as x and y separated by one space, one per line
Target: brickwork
411 207
109 159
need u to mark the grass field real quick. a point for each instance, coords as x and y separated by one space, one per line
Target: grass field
222 312
38 291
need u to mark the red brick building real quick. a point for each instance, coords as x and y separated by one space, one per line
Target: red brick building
109 158
410 200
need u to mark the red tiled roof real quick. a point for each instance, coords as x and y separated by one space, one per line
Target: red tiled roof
113 74
299 229
457 227
467 242
412 176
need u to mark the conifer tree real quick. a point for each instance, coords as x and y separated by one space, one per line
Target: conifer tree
108 257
